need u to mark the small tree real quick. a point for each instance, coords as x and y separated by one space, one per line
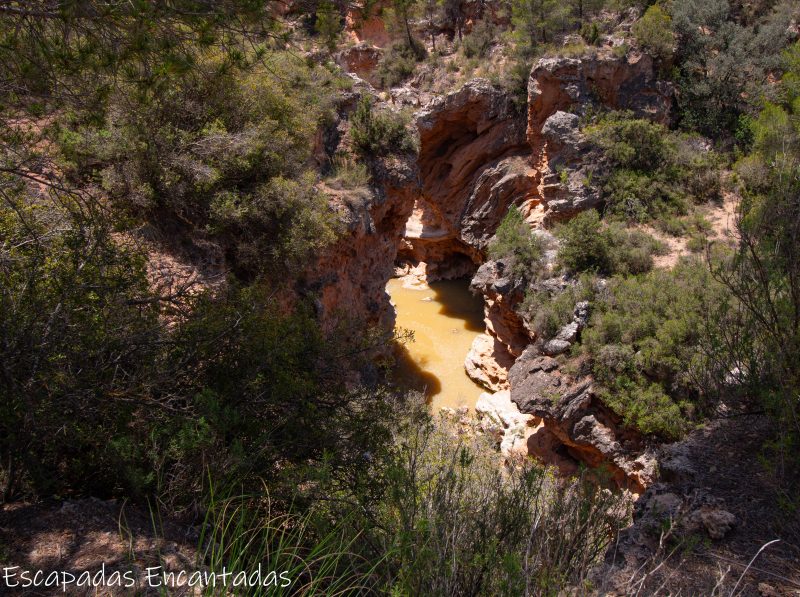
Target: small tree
654 33
329 24
515 241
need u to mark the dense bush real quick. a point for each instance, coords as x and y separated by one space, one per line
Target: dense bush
723 59
379 132
99 395
763 275
646 340
219 150
653 32
399 62
480 40
650 172
589 245
515 241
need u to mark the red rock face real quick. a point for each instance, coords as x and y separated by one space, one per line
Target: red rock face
371 29
473 166
349 278
361 59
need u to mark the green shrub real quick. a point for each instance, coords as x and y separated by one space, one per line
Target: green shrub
480 40
379 133
348 173
515 241
589 245
653 33
203 151
547 313
652 173
399 62
646 338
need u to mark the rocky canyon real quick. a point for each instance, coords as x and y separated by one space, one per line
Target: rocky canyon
433 214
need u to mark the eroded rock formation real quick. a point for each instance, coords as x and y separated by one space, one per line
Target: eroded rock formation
435 215
559 91
577 419
473 166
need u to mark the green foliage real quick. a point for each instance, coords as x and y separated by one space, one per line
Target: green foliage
535 22
348 173
723 62
379 133
219 150
447 520
547 312
645 338
653 33
328 24
515 241
763 274
588 245
399 62
653 173
480 40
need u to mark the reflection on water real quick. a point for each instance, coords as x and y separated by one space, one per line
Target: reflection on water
445 318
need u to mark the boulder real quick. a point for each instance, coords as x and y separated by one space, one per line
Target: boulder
488 362
497 413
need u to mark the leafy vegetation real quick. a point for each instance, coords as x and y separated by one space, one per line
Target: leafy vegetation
654 33
652 173
515 242
588 245
645 339
762 275
378 133
399 62
723 59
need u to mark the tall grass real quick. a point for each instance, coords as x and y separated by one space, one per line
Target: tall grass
244 534
450 520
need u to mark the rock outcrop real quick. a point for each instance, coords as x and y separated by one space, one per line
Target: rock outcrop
501 417
362 27
561 89
361 59
502 294
572 413
488 362
348 278
473 166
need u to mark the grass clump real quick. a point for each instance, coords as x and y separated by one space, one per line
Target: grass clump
440 516
607 249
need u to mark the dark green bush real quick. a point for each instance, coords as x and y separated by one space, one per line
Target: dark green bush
515 241
377 132
480 40
646 338
399 62
589 245
654 34
217 150
652 173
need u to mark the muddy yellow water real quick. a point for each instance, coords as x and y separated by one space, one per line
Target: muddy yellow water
445 318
